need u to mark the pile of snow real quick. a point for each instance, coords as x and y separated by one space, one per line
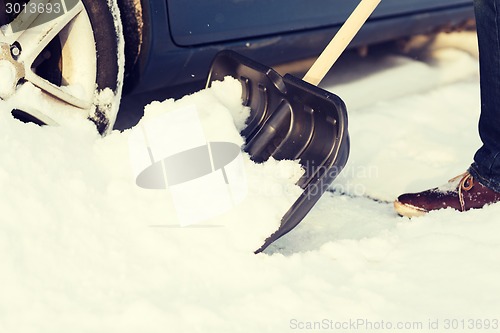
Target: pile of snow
84 249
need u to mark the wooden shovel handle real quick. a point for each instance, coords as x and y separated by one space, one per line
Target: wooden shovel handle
340 41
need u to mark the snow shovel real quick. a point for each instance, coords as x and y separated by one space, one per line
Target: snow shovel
293 119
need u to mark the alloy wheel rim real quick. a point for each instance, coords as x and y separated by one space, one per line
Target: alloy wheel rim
25 48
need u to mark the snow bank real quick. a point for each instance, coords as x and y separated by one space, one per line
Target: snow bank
78 237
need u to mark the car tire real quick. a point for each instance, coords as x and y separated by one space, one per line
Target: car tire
78 68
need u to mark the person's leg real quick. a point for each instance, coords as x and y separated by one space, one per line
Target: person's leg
481 184
486 166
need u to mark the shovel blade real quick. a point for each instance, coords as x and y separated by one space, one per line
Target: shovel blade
293 120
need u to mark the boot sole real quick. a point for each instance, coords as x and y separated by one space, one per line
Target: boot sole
408 210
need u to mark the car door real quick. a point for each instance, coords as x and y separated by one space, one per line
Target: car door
194 22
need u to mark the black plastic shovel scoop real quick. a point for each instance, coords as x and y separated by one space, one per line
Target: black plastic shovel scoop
293 119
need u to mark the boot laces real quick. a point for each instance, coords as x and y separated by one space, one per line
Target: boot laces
466 184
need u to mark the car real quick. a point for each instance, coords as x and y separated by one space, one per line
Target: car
89 53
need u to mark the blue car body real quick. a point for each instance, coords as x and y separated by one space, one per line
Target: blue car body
182 36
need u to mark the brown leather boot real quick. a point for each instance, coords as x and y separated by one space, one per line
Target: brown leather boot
461 193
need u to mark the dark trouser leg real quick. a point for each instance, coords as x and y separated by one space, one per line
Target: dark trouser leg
486 166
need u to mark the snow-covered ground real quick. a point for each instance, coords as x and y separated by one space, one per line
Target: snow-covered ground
83 249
